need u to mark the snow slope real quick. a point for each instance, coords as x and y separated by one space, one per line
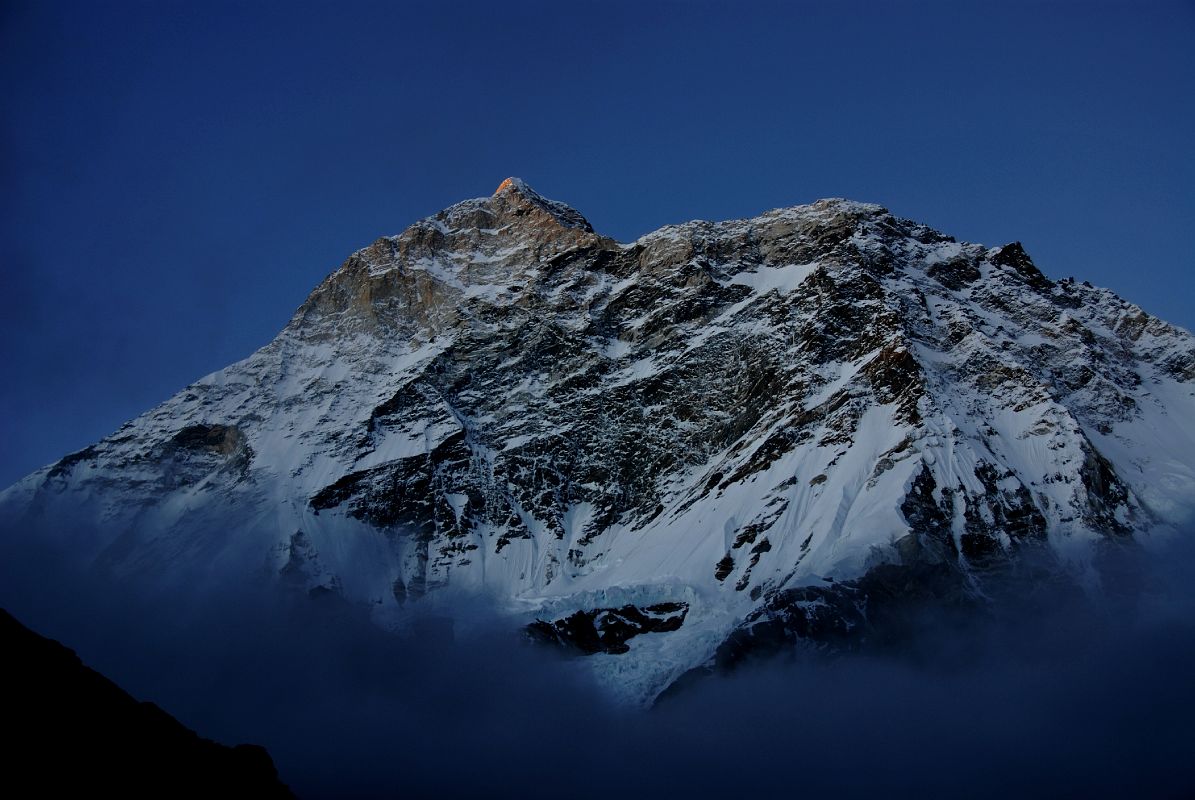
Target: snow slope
653 447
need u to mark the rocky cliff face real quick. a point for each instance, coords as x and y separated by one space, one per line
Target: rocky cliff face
653 452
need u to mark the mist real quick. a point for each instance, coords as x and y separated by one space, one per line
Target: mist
1058 695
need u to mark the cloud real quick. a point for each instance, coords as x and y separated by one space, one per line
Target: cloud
1053 695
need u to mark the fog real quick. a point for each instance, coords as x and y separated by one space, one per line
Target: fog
1058 695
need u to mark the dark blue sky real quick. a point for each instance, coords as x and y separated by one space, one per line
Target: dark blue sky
177 176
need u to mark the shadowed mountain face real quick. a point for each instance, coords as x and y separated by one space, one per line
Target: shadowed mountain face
71 729
720 438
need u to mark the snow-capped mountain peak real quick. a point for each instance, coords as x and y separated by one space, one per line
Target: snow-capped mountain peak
714 440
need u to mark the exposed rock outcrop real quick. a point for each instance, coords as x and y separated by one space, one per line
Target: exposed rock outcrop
725 414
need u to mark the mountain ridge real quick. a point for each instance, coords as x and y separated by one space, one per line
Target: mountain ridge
716 421
80 732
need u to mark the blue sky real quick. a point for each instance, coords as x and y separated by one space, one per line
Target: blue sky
178 176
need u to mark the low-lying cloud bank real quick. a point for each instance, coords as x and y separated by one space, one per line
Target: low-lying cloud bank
1061 697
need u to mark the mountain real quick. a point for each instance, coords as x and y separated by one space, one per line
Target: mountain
714 441
79 732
